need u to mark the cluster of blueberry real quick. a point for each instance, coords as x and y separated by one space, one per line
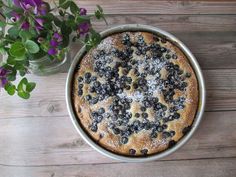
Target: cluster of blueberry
115 84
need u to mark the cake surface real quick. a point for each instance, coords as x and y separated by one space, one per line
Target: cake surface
135 94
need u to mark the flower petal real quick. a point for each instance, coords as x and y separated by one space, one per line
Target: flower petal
53 43
52 51
83 11
25 25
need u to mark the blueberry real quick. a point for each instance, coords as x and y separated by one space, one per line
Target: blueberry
165 135
124 140
174 56
125 71
159 129
147 126
92 89
88 97
163 49
145 115
144 151
137 115
145 88
144 75
127 87
94 127
172 133
94 114
93 78
164 126
135 85
87 75
116 131
176 115
80 92
101 110
188 75
94 100
125 121
81 85
132 152
99 118
96 84
138 52
80 79
143 109
87 80
168 56
153 134
172 143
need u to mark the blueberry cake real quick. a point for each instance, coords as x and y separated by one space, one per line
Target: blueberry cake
135 94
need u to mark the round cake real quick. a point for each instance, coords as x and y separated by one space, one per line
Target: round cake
135 94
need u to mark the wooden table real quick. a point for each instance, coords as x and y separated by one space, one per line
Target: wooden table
37 138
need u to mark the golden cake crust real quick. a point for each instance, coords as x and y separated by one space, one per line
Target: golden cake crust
104 136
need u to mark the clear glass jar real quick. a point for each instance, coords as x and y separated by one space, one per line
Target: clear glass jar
45 66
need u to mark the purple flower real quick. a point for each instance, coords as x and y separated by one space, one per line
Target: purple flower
39 24
52 51
3 77
83 11
29 4
15 16
83 28
57 37
43 9
53 43
25 25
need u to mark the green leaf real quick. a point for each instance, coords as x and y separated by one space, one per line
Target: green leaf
13 32
30 86
31 46
1 3
64 3
25 35
17 50
74 8
10 88
99 14
2 24
100 8
57 21
65 30
21 88
22 72
11 60
24 95
65 41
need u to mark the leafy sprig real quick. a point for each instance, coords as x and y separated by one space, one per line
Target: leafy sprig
36 30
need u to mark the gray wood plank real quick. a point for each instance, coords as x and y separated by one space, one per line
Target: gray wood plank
161 7
174 23
54 141
187 168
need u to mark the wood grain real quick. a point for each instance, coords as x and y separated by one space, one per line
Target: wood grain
54 141
48 99
174 23
38 139
187 168
211 38
161 7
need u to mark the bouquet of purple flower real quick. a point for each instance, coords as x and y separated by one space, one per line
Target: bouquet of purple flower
35 30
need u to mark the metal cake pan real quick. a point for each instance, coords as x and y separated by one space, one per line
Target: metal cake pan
195 66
